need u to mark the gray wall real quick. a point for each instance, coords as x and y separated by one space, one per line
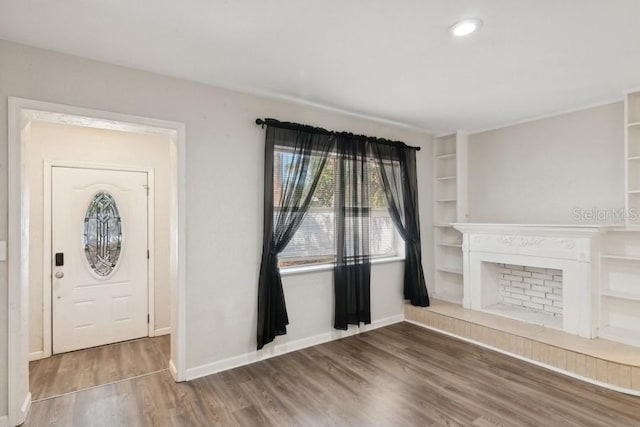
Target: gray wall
540 171
224 158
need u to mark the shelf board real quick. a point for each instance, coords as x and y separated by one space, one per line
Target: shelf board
446 200
620 257
633 158
624 229
633 192
446 178
623 335
451 270
446 156
450 245
633 124
621 295
443 226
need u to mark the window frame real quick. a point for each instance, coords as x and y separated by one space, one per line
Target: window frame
397 255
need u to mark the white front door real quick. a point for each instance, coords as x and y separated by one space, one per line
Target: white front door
99 257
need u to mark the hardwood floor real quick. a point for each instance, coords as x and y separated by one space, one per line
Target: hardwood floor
77 370
398 375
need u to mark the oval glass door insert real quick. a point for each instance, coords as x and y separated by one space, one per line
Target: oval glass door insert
102 234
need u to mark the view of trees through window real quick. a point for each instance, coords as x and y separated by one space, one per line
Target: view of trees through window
314 241
325 191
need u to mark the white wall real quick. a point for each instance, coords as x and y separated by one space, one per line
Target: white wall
51 141
538 172
224 162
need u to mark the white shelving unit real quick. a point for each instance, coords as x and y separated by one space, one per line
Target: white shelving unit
450 205
632 158
619 299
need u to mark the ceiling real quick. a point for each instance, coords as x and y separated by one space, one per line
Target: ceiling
386 59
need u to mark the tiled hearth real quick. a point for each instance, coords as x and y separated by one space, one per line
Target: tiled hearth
603 362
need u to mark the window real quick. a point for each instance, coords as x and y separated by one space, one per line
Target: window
102 234
314 242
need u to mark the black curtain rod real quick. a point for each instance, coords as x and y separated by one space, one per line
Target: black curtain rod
322 131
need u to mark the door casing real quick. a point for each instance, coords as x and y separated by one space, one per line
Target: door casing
21 112
47 249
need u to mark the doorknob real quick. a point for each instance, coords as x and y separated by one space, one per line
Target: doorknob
59 274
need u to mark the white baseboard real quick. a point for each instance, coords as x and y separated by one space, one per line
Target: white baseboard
162 331
36 355
4 421
534 362
286 347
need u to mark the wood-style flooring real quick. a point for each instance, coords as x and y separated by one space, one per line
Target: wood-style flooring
78 370
394 376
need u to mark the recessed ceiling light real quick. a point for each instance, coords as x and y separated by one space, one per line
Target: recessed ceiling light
465 27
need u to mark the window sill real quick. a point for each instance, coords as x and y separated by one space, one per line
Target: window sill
291 271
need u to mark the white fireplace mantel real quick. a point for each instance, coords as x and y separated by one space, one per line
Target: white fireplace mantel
570 248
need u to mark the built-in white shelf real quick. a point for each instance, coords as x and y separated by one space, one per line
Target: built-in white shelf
632 154
619 257
452 270
450 205
623 335
622 229
450 245
621 295
619 276
451 296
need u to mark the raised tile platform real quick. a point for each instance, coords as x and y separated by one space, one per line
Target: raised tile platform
607 363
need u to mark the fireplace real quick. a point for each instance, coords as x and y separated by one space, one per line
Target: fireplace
557 261
531 294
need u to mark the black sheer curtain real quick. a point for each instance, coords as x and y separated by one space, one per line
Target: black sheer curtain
397 166
352 271
288 190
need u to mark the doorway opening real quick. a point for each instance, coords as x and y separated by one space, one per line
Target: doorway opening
24 117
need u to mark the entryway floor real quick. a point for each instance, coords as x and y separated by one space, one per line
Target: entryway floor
82 369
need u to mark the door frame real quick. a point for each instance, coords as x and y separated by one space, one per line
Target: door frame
21 113
47 252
